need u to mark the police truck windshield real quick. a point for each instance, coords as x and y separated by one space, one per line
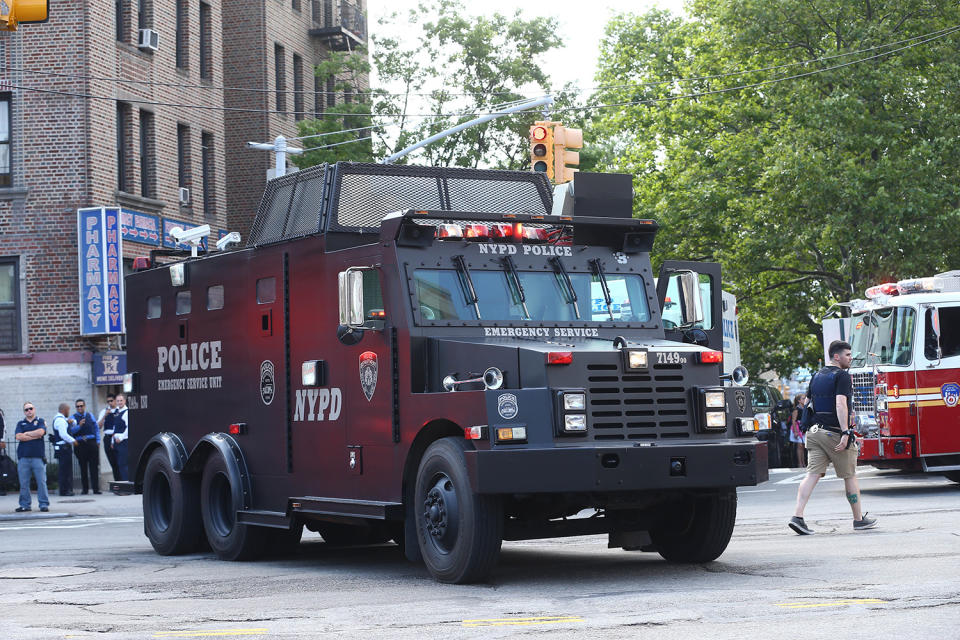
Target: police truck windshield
883 336
545 297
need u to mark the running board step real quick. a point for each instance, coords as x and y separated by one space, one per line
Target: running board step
368 509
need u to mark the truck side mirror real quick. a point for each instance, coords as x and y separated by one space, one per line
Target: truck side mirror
692 302
350 285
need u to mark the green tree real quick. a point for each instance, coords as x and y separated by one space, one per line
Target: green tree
808 181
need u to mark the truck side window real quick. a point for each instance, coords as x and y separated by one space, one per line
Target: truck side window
215 297
949 333
153 307
673 311
266 290
183 303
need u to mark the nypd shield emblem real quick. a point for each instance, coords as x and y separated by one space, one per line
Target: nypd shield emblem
507 406
368 373
267 382
741 398
950 393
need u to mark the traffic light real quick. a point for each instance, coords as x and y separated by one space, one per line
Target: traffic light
14 12
541 148
563 140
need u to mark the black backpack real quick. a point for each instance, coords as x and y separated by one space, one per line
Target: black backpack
8 471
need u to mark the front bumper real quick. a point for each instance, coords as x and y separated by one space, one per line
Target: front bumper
618 468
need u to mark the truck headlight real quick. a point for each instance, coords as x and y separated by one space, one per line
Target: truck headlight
575 422
715 399
716 419
637 359
574 401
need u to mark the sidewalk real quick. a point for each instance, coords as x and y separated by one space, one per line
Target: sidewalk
105 504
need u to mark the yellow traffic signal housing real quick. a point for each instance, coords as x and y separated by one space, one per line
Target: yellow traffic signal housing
541 148
14 12
565 139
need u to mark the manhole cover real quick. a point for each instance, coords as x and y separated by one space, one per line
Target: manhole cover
27 573
75 501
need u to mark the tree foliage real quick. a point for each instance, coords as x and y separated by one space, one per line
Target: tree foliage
811 181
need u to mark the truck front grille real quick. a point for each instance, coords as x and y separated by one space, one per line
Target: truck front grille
637 406
864 398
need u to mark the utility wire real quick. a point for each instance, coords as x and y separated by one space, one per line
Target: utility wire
337 144
330 133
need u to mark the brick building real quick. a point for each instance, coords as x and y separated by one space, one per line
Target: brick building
123 104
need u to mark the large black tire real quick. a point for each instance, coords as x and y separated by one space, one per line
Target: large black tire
698 528
952 475
459 532
171 507
229 539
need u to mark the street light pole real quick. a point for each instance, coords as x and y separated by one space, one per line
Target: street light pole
280 149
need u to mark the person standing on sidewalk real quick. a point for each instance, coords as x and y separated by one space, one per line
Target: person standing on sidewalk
30 460
63 446
120 434
88 451
3 447
831 438
107 415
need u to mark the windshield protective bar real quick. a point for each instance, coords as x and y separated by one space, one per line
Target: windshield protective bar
466 284
568 291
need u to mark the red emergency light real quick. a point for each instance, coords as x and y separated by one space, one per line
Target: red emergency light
449 231
237 429
501 230
141 263
559 357
710 357
476 232
885 289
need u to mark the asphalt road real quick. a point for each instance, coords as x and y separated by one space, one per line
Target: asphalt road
97 577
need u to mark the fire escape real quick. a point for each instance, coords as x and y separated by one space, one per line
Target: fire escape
344 24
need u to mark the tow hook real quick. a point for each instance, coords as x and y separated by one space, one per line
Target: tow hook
742 457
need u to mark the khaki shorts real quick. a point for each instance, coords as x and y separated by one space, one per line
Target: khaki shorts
820 454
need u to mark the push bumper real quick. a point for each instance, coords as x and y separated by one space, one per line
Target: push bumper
618 468
886 448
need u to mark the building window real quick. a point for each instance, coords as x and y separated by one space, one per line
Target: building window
296 5
206 162
144 14
331 86
317 96
148 163
6 166
9 305
183 34
123 124
118 20
183 156
315 11
206 48
280 77
298 88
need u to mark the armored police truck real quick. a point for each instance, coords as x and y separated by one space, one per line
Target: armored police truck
429 355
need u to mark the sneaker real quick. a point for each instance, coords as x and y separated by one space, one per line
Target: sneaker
797 524
44 509
864 523
22 509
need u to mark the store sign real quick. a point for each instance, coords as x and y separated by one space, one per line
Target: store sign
140 227
101 270
108 368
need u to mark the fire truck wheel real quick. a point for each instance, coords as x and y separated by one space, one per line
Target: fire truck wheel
699 529
952 475
459 532
171 507
229 539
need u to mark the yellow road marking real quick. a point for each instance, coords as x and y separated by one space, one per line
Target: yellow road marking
497 622
835 603
212 632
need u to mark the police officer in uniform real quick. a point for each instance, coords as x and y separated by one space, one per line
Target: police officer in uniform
120 433
831 438
88 451
63 445
30 458
107 415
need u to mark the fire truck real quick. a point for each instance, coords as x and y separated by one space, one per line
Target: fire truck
906 373
429 355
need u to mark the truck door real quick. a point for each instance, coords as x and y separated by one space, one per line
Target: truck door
669 292
938 382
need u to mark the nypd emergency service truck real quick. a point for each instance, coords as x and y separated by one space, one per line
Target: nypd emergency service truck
427 355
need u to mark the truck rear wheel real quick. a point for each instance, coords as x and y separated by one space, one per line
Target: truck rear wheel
229 539
171 507
459 532
699 528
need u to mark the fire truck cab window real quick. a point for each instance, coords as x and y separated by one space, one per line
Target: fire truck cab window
441 295
266 290
183 303
672 310
215 297
884 336
949 333
153 307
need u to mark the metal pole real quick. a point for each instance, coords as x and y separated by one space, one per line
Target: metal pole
545 100
280 149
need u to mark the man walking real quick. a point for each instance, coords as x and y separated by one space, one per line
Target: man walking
63 446
88 451
831 438
29 434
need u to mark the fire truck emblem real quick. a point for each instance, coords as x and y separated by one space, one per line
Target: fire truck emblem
741 397
368 373
267 382
950 393
507 406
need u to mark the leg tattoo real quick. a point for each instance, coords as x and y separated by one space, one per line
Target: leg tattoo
852 498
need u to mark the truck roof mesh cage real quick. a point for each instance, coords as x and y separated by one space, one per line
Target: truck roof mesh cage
353 197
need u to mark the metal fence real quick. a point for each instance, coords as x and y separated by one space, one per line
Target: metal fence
52 466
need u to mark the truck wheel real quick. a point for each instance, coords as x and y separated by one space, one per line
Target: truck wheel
700 528
229 539
952 475
459 532
171 507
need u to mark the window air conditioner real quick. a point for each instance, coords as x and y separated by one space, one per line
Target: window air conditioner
184 195
149 39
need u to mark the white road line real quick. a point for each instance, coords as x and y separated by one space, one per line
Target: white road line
75 524
756 491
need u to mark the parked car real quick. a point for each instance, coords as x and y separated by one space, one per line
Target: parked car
772 411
